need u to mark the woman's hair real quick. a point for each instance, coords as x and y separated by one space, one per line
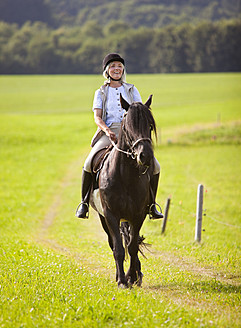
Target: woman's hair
107 77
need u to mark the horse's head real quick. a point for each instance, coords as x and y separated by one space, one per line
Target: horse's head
137 126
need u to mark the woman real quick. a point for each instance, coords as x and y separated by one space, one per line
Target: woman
108 115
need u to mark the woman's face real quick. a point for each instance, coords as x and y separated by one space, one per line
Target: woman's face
116 70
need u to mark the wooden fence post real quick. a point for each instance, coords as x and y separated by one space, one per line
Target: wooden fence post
199 213
166 214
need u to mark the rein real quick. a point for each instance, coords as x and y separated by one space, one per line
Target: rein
130 151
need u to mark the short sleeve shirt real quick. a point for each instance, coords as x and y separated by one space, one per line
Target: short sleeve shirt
114 111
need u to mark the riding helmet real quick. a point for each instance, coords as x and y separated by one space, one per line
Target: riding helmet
110 58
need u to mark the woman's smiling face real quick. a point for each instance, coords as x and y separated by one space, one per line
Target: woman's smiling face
116 70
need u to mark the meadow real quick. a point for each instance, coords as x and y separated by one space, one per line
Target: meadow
57 271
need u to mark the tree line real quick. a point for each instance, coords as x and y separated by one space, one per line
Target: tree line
147 13
36 48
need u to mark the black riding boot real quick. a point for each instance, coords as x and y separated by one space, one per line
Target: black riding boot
83 208
154 213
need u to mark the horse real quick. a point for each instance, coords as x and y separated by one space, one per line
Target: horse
123 188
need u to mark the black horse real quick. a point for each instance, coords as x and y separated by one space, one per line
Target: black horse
124 188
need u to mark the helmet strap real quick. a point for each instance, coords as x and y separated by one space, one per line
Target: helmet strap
108 75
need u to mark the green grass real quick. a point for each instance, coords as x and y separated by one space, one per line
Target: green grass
56 271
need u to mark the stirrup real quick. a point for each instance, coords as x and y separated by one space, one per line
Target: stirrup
87 213
150 215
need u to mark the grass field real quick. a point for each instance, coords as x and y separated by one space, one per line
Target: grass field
57 271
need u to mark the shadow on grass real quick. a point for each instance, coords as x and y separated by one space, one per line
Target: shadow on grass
211 286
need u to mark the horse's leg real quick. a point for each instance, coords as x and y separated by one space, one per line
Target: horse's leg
118 249
134 274
138 271
105 227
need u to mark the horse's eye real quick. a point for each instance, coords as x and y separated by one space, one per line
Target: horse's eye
151 127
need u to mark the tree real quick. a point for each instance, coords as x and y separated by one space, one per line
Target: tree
7 31
164 44
231 47
20 11
89 57
136 49
92 30
205 47
16 50
116 27
37 48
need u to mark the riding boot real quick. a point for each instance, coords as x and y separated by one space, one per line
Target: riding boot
154 213
83 208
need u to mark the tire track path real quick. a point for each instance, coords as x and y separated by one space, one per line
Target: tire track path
72 173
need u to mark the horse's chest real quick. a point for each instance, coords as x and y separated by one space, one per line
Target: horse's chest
127 196
122 189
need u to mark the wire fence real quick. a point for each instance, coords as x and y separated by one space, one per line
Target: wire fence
182 209
224 223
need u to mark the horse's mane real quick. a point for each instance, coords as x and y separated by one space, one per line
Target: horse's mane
139 118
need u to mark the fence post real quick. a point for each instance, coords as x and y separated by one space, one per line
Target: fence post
166 214
199 213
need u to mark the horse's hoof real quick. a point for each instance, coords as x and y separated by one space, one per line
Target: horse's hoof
135 282
122 286
139 281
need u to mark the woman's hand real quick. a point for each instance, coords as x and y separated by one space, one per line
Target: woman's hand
101 124
111 134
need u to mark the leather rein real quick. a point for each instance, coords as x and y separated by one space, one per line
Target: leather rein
131 151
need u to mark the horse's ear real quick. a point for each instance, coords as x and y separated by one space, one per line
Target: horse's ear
149 100
124 103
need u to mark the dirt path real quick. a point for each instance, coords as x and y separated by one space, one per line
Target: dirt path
42 237
185 264
73 171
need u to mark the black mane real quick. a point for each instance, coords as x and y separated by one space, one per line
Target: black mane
139 121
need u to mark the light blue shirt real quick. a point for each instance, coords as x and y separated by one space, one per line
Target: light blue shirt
114 111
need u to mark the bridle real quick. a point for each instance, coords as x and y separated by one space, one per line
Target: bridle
131 151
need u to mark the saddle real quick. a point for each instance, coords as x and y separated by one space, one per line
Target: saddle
98 162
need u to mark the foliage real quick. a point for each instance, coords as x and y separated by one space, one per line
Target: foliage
147 13
13 11
37 48
155 36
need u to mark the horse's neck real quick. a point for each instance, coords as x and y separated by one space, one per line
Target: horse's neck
121 161
122 144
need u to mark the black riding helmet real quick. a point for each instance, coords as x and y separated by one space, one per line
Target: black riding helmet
110 58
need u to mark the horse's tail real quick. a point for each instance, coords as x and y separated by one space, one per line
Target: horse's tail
125 232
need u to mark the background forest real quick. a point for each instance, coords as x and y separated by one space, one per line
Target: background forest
155 36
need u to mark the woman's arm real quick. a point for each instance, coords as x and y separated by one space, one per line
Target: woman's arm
101 124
